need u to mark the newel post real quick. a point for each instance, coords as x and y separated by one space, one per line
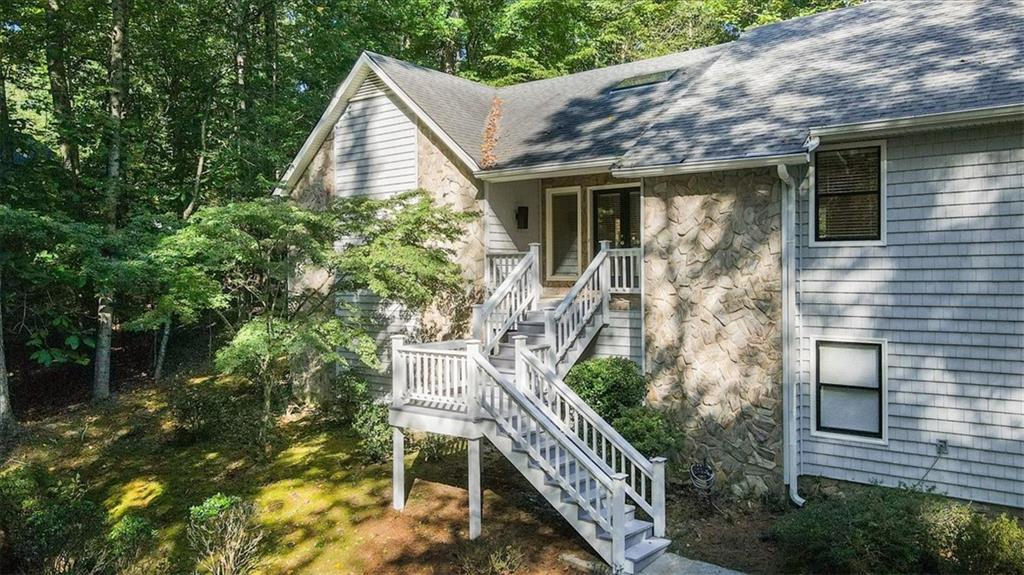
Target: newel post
537 278
619 521
398 374
606 279
522 379
658 495
472 380
552 338
477 325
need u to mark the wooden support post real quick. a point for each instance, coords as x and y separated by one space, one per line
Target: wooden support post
619 521
658 496
605 280
398 375
537 278
397 468
475 495
522 381
472 380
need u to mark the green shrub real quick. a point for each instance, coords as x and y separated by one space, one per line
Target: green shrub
374 431
610 385
434 446
197 410
348 393
225 536
882 530
647 430
48 521
990 546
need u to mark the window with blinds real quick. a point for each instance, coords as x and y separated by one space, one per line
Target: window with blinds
848 194
849 388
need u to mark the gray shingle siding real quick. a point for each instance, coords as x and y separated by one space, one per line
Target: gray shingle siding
947 292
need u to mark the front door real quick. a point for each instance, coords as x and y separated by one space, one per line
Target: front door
616 216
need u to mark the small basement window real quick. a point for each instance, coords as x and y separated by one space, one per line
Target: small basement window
849 388
848 194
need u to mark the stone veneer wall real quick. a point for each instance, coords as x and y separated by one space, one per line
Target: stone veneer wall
713 307
442 174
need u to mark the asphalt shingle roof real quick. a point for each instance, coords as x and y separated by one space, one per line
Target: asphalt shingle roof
756 96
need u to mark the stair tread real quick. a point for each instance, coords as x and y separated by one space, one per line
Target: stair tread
633 526
646 548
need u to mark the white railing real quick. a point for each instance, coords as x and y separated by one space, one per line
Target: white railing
624 270
518 293
587 297
430 374
645 479
600 494
497 267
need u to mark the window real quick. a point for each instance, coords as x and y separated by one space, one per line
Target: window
849 194
849 388
616 217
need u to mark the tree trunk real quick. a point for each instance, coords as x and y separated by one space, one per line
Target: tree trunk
118 31
60 90
6 136
6 412
162 351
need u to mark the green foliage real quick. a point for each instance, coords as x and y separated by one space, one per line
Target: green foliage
48 520
195 409
647 430
610 385
371 426
434 446
212 507
348 392
130 535
877 529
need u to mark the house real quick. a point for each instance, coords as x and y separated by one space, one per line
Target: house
811 239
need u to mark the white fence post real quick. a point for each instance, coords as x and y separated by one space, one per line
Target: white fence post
619 521
477 329
605 279
398 375
522 379
658 495
552 338
538 286
472 380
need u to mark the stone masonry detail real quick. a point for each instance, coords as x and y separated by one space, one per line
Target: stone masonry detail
713 307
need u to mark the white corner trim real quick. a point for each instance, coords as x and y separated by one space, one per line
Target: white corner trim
884 390
926 121
710 165
812 211
552 170
336 106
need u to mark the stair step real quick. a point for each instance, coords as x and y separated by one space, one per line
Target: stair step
507 350
636 531
533 340
646 552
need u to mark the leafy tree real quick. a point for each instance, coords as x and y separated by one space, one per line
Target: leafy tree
254 260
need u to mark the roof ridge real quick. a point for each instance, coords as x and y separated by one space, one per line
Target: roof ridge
375 55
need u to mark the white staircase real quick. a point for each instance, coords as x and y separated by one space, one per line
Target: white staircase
507 386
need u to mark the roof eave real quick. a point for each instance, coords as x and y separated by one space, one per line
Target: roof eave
710 165
993 114
552 170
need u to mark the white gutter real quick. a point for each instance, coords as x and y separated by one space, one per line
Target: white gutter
927 121
790 429
547 170
710 166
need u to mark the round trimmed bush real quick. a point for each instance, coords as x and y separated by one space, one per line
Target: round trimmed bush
647 430
610 385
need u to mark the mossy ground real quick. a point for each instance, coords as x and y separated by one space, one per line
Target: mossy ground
323 508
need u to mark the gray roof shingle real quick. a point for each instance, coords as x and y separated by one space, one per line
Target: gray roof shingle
880 60
756 96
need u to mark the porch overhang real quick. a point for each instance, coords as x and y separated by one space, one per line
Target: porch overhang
553 170
711 165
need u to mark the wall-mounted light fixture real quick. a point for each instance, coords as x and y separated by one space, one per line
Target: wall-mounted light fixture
522 217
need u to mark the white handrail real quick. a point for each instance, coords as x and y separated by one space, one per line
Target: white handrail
431 375
497 267
624 270
516 295
594 434
587 296
520 417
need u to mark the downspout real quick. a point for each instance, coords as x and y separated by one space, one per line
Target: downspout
789 388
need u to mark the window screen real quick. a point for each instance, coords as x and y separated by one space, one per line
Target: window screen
847 194
849 388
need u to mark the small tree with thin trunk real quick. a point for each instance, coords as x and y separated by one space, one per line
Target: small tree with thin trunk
244 262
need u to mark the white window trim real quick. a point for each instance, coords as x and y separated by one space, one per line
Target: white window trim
548 194
812 212
590 210
884 343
